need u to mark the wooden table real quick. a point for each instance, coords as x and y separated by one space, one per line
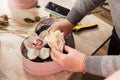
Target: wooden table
11 66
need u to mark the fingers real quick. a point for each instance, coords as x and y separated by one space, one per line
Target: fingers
49 29
67 48
57 56
52 28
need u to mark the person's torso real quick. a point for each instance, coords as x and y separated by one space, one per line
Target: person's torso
115 12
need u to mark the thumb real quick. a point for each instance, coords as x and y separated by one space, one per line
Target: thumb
67 48
57 56
49 29
52 28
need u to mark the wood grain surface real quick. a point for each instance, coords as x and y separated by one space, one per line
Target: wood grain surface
11 37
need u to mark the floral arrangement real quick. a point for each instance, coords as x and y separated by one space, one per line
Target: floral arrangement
39 45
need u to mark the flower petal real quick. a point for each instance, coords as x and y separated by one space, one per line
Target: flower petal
44 53
33 53
27 43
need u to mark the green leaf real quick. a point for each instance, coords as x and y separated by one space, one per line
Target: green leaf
54 15
29 20
38 6
37 18
4 23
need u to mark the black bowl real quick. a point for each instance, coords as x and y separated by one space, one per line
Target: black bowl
41 26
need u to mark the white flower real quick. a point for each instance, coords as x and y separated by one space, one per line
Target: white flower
34 45
56 39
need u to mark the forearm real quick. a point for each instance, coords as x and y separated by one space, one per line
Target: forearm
102 65
81 8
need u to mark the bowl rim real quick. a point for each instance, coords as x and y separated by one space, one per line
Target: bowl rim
42 22
36 28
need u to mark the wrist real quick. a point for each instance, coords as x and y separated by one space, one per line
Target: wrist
83 68
69 23
67 26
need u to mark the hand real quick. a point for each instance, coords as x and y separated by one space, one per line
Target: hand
73 61
63 25
114 76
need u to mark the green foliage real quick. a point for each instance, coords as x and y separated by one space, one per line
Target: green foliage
4 23
29 20
37 18
54 15
38 6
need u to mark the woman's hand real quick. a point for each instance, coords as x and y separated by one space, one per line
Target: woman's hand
114 76
63 25
73 61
